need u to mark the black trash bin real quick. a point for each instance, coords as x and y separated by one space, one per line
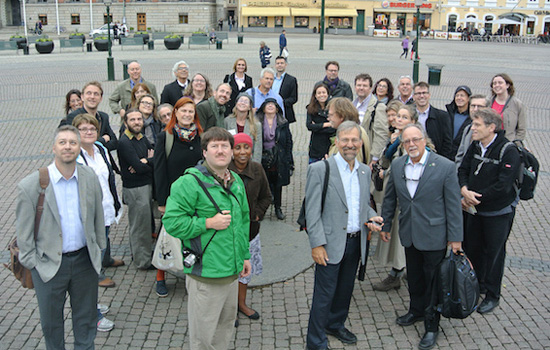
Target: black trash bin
125 64
239 39
89 46
219 45
434 73
25 48
151 44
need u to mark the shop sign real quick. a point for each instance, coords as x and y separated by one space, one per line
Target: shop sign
381 32
409 5
542 13
455 36
394 33
440 35
336 5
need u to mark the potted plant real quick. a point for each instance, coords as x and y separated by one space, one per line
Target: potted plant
172 42
44 45
19 39
144 35
199 32
77 35
101 43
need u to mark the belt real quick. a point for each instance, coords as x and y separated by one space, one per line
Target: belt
74 253
354 234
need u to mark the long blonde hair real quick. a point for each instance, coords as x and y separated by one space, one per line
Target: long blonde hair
249 116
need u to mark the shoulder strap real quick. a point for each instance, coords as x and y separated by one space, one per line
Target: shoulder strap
44 179
325 185
168 143
207 193
503 149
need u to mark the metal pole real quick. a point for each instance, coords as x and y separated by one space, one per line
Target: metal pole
57 16
322 29
416 63
91 17
110 63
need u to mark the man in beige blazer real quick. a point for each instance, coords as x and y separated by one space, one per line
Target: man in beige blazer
66 255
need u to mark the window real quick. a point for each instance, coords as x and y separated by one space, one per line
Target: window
452 23
257 21
183 18
301 22
340 22
278 21
75 18
43 18
106 19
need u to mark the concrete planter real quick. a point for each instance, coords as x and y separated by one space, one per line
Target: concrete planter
44 46
172 43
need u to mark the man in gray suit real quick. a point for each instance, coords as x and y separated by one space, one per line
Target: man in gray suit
426 186
337 235
66 255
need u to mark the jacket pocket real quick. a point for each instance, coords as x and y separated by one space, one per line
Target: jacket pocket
437 221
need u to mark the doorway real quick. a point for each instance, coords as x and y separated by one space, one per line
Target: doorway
360 25
141 22
15 13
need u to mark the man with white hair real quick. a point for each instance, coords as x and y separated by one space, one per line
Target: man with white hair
174 91
264 90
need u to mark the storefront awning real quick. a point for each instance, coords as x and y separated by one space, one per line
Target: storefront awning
315 12
266 11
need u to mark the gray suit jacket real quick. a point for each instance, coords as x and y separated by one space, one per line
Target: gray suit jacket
231 124
329 229
45 253
434 216
123 95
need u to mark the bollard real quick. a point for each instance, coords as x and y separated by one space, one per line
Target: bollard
239 39
151 44
25 48
89 46
219 45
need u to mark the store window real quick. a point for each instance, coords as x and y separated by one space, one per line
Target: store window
452 23
183 18
340 22
278 21
106 18
257 21
301 22
381 20
75 18
43 18
425 21
489 26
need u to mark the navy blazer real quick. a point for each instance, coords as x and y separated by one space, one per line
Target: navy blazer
289 93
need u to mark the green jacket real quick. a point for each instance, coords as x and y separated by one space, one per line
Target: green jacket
187 209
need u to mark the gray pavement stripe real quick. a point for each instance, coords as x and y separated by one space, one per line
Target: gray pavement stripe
18 120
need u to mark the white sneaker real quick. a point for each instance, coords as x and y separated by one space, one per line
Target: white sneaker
103 308
105 325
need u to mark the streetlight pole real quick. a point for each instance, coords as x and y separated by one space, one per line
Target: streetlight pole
322 27
110 63
418 4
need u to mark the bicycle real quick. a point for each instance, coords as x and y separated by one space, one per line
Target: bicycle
61 29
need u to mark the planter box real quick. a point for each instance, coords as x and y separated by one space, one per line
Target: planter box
21 42
83 37
144 36
101 45
44 46
172 43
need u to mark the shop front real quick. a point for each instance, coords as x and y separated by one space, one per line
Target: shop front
395 19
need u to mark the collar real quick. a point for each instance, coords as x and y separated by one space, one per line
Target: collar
132 83
422 160
56 175
343 165
261 93
364 102
282 76
426 112
183 85
405 102
248 171
484 149
226 182
131 135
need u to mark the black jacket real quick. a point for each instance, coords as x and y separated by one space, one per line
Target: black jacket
319 142
452 109
104 127
289 93
438 127
172 93
130 151
493 179
230 79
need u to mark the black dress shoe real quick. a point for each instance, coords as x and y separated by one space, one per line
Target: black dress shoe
279 214
254 316
408 319
487 305
343 335
428 340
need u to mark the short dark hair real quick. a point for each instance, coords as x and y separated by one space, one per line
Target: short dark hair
67 127
332 62
421 84
363 76
131 110
488 116
216 134
280 58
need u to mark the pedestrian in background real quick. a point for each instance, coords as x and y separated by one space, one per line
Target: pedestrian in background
405 45
282 42
265 54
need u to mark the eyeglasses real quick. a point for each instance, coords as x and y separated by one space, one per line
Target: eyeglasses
419 93
199 81
87 130
183 69
476 106
414 140
147 103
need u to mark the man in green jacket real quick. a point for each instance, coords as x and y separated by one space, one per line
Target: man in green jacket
217 236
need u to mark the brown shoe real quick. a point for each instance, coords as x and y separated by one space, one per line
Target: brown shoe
391 282
107 283
117 263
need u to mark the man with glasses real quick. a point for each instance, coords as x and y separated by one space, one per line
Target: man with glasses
165 113
476 102
174 91
92 95
435 121
336 86
264 90
212 111
337 235
426 187
405 90
122 96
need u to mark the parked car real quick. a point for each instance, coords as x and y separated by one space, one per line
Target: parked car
103 31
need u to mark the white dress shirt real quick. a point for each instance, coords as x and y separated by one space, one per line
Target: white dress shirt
350 180
68 204
423 116
413 172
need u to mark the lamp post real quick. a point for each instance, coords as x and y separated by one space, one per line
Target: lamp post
110 63
322 26
418 4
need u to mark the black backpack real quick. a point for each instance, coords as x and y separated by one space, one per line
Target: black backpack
529 172
455 288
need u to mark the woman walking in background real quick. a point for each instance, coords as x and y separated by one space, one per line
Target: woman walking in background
405 45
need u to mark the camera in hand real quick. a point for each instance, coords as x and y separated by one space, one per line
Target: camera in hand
190 258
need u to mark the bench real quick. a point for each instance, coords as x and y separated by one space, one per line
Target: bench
8 45
159 35
68 43
32 38
222 36
198 40
132 42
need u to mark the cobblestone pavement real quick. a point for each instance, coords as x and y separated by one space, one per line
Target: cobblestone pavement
32 89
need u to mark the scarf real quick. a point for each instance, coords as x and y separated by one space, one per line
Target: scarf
219 111
331 84
186 135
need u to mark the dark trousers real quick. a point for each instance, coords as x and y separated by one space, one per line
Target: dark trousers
276 189
485 245
77 276
405 53
421 267
332 295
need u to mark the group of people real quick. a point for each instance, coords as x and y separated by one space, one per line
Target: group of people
210 161
426 165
